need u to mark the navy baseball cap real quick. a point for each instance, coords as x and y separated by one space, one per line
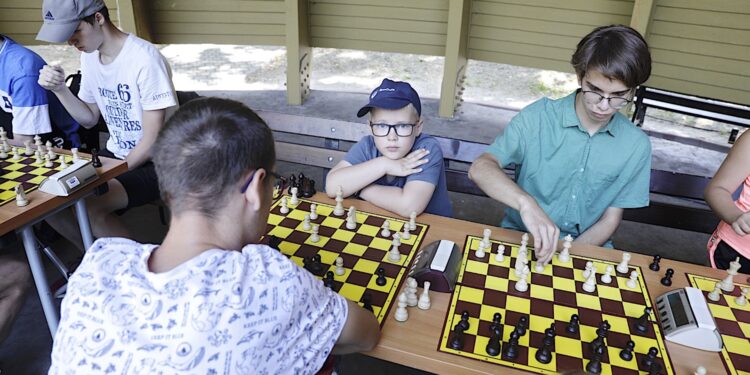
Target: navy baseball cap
392 95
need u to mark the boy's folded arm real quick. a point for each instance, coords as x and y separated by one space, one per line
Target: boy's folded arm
413 197
361 331
353 178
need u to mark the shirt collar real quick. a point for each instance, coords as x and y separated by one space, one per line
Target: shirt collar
6 41
570 118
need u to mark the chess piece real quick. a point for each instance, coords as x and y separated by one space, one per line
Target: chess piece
564 255
76 157
413 221
667 279
511 349
700 370
284 208
544 354
655 368
590 284
367 301
292 183
3 134
727 284
650 357
16 154
380 280
522 325
339 209
627 353
623 266
306 223
48 162
28 150
394 255
741 300
328 280
573 325
715 295
493 345
5 145
539 267
3 153
295 199
308 188
424 298
48 144
587 270
340 266
521 263
314 236
601 334
405 234
386 229
642 323
411 292
595 365
464 322
497 320
51 154
351 218
522 285
21 200
38 159
313 211
632 282
480 251
62 162
457 341
654 266
500 256
401 314
486 237
607 276
38 140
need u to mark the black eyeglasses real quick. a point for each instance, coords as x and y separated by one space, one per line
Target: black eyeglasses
614 102
382 130
250 179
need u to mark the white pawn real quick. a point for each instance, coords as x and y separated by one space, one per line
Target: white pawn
314 237
587 271
21 196
715 295
394 255
38 158
351 218
486 239
306 223
623 266
539 268
48 162
424 298
607 277
313 211
339 209
3 154
632 282
29 151
74 150
522 285
37 140
16 154
397 238
590 284
386 231
480 251
405 234
741 300
500 256
411 292
564 255
339 266
284 208
700 370
62 162
413 221
51 154
6 146
48 144
295 200
401 314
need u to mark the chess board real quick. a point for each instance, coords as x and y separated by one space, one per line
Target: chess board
486 287
733 322
363 250
24 171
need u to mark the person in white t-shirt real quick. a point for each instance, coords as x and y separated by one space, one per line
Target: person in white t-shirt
210 299
128 82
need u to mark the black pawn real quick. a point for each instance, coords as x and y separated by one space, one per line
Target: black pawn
655 368
641 325
493 346
544 354
315 265
511 350
496 321
667 279
457 341
627 353
595 365
367 302
328 280
522 325
649 358
95 158
572 327
381 276
655 264
464 320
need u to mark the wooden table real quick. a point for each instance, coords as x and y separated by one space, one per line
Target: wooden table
41 206
415 342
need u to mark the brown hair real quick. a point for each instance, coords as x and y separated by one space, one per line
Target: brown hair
617 51
91 18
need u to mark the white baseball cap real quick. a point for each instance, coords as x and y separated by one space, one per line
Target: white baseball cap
61 18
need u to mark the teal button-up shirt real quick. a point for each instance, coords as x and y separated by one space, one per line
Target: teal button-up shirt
574 176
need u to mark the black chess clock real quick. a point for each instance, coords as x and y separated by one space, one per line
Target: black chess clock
439 263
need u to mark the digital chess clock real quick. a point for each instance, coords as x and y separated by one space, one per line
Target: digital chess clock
686 319
70 179
439 263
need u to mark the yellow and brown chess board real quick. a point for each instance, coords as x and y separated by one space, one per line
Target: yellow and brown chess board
732 321
486 287
23 171
363 250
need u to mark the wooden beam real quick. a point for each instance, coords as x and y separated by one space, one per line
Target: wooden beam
455 57
640 20
133 17
298 51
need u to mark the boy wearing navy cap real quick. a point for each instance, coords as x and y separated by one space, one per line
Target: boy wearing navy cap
397 167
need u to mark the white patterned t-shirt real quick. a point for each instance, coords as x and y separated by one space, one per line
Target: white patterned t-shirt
222 312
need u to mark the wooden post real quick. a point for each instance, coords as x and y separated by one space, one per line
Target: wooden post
298 52
641 17
455 57
133 18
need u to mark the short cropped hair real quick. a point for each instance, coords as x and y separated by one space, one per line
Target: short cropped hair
91 18
205 149
617 51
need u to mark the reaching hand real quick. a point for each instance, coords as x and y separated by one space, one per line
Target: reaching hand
542 228
407 165
52 77
742 224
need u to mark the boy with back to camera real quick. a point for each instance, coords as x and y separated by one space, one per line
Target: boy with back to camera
579 162
209 299
398 167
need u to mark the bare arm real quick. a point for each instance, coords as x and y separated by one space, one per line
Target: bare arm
361 331
152 123
602 230
353 178
487 174
414 197
53 78
718 194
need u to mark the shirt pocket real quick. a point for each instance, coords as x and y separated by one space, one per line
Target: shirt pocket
600 188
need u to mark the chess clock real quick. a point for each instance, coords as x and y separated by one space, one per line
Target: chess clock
686 319
70 179
439 263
